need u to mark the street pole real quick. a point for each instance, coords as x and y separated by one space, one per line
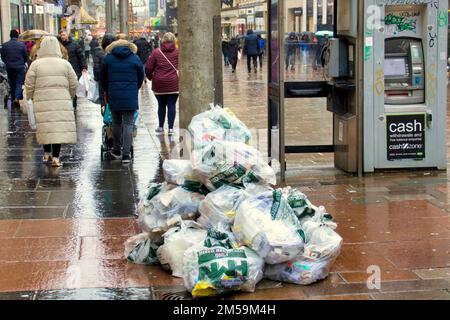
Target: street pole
200 50
123 16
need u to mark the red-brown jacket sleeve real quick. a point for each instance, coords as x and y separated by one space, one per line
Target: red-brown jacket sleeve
150 66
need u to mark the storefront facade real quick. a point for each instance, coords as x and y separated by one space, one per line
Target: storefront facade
243 15
309 15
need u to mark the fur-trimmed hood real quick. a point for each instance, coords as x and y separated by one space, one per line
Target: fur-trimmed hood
121 43
49 48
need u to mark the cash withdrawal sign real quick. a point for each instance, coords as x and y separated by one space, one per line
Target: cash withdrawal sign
406 136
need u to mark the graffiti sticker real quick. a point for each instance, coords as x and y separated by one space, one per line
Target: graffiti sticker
401 23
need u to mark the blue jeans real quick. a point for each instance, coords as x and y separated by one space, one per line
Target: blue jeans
168 101
123 122
16 78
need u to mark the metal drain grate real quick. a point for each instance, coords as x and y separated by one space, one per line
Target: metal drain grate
173 296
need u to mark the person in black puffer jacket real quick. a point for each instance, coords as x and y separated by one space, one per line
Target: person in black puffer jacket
233 52
76 57
143 49
14 55
98 60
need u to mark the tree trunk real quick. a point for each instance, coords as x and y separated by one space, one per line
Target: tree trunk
200 66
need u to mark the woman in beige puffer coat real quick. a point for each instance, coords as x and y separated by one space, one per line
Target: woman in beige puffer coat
51 83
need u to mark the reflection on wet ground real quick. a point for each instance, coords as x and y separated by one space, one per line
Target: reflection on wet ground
62 230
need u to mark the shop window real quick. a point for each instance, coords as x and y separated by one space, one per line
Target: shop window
15 16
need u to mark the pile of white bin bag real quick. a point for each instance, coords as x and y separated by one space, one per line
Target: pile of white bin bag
218 223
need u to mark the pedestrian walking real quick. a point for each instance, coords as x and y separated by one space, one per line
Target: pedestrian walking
87 47
225 44
95 45
76 57
251 49
143 49
162 70
51 83
121 76
233 52
262 50
305 49
98 60
14 55
291 50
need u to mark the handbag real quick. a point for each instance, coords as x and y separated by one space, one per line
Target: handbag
178 72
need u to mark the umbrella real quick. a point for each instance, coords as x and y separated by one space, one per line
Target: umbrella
324 33
32 35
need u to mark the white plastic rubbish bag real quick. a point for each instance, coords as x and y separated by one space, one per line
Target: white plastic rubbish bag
299 202
140 249
168 207
225 163
30 114
176 241
217 124
83 85
219 207
268 225
177 171
321 250
216 267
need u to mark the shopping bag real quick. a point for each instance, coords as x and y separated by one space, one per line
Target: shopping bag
31 117
83 86
239 55
107 117
93 94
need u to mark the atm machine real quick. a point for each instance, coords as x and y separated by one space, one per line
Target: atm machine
405 85
386 85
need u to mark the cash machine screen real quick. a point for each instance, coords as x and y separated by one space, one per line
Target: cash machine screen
404 71
395 67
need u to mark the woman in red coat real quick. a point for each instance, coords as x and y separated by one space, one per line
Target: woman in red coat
162 70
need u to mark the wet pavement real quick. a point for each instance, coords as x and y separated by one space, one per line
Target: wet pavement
62 230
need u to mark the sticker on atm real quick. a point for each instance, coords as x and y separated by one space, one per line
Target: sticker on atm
406 136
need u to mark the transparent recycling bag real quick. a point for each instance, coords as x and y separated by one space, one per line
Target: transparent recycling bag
323 246
176 241
216 267
177 171
140 249
230 163
217 124
267 224
167 207
219 207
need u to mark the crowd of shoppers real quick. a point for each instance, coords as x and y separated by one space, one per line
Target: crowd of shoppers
49 68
